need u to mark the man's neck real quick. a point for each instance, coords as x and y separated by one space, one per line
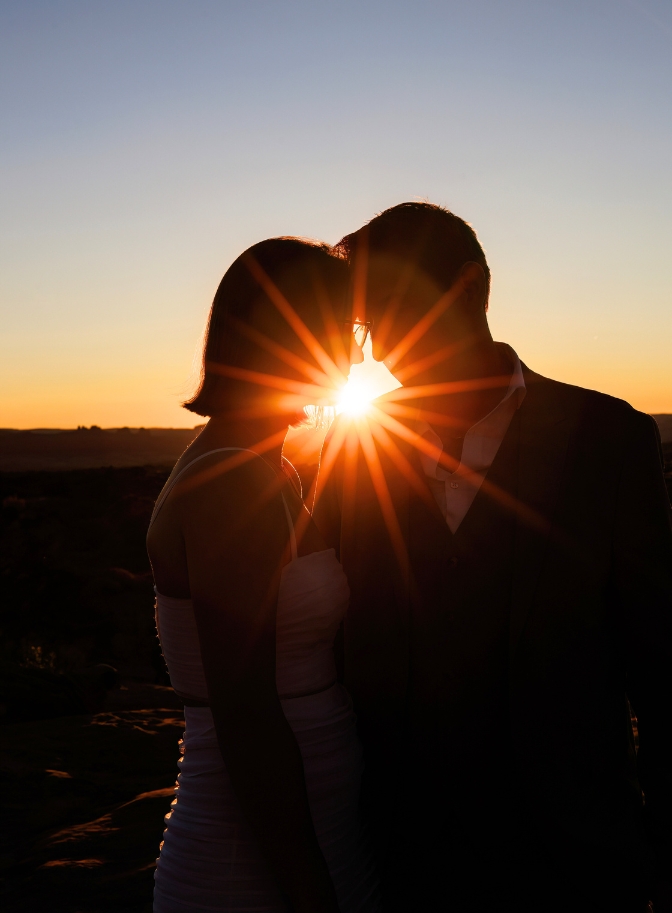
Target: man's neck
464 390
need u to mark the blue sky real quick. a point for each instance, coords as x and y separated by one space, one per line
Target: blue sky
145 144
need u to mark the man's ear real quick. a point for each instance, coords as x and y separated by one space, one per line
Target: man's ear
472 278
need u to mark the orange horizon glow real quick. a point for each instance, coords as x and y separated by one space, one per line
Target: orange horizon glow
71 403
128 190
150 399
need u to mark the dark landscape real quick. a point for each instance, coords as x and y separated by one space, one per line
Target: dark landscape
90 723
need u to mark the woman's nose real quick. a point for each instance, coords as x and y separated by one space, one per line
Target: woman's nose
356 353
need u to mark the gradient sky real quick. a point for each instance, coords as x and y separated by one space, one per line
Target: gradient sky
145 144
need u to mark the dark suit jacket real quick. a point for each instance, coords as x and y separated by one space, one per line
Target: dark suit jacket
590 610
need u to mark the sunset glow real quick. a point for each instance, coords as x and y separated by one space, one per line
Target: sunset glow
356 396
365 382
124 201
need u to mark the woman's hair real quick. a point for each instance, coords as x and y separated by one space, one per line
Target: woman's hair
308 274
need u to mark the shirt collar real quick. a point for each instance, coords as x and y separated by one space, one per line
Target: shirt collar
517 382
516 389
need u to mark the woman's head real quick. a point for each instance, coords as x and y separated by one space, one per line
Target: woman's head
277 323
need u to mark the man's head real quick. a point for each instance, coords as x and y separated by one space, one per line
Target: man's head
421 277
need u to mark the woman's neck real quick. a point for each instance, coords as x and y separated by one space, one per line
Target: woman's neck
263 435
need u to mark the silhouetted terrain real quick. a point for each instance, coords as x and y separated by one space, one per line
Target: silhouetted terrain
86 448
84 799
81 764
75 577
665 427
86 770
88 758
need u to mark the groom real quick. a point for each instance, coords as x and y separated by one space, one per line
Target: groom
508 546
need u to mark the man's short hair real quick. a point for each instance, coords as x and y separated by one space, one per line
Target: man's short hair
425 235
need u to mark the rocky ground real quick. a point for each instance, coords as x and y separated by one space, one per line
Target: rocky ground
87 768
84 799
87 763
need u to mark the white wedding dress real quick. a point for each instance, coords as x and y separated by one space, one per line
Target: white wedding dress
209 859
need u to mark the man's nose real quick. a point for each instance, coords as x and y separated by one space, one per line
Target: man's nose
378 350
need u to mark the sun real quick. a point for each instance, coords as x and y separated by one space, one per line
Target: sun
367 381
355 397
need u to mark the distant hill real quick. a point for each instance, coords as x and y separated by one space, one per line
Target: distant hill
47 449
665 427
91 448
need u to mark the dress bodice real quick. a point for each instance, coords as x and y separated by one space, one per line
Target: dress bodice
312 600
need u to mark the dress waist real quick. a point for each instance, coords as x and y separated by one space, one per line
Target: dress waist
311 713
190 700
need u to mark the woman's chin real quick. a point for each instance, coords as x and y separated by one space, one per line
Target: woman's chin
298 420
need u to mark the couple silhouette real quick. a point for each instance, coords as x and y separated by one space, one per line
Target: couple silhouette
421 696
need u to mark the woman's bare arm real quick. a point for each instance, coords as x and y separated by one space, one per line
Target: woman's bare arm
235 533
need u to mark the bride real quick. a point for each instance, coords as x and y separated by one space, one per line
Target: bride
248 601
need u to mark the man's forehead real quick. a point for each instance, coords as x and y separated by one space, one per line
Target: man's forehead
393 277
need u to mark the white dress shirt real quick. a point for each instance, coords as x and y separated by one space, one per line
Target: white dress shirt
455 491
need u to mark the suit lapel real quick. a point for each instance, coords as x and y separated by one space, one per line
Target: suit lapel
382 582
545 430
428 537
545 424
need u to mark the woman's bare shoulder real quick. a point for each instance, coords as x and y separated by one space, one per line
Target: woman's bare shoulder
227 485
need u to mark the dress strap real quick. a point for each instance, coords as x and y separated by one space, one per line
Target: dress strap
167 490
292 534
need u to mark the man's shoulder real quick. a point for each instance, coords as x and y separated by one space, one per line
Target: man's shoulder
571 399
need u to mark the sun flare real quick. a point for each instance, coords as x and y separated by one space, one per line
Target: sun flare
366 381
355 397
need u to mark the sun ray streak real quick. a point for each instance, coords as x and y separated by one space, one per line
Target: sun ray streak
423 364
274 488
251 411
526 514
360 269
202 476
387 320
418 330
417 414
350 461
334 331
328 459
280 352
402 463
293 319
383 494
304 390
412 437
448 387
